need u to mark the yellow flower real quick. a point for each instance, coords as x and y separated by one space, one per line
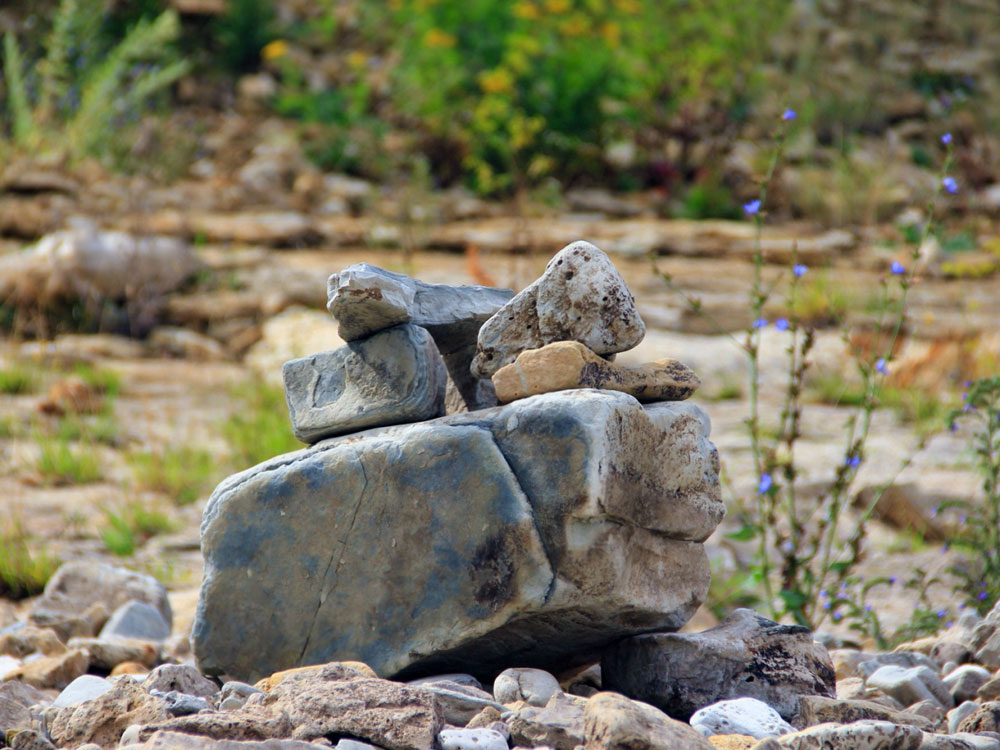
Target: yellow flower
526 10
612 33
274 50
628 6
496 81
437 38
575 25
357 59
557 6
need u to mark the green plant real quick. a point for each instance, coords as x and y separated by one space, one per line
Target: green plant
259 429
60 463
18 379
102 379
242 32
979 532
912 405
79 95
131 526
181 473
25 565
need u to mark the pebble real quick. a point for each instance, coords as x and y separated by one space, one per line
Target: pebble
83 688
911 685
471 739
958 713
533 686
740 716
964 682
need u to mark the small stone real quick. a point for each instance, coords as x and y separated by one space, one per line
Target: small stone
964 682
580 297
733 741
817 709
180 678
929 709
344 670
485 718
179 704
458 678
237 689
906 659
958 713
612 722
31 640
959 741
29 739
107 653
533 686
232 703
130 736
459 703
129 667
559 724
740 716
52 671
84 688
912 685
746 655
564 365
871 735
394 376
354 745
471 739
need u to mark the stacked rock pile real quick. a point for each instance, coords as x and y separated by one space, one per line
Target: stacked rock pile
533 534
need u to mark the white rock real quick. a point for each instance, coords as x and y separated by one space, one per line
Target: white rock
740 716
964 681
912 685
958 713
131 735
471 739
83 688
534 686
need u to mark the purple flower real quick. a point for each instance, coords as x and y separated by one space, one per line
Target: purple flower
789 114
759 323
752 207
881 366
949 623
950 185
946 139
868 608
892 579
765 483
837 616
826 606
853 461
781 324
799 270
944 548
941 613
981 596
898 268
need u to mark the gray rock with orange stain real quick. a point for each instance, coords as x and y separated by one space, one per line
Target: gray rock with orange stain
450 546
580 297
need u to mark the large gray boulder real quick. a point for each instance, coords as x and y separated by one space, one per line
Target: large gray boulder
535 534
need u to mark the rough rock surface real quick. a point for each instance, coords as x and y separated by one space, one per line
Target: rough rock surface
365 299
746 655
391 377
911 685
103 719
747 716
533 686
181 741
612 721
869 735
448 546
818 709
569 364
558 724
580 297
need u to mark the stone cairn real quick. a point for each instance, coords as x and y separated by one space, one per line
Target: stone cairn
533 534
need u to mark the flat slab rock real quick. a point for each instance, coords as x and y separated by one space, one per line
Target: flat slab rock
569 364
449 546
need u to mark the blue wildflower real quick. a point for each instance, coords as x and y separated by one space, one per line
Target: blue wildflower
981 596
868 608
946 139
950 185
837 616
799 270
789 114
949 623
898 268
781 324
881 366
853 461
759 323
765 483
892 579
752 207
942 613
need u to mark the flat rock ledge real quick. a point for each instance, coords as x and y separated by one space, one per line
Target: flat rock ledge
536 533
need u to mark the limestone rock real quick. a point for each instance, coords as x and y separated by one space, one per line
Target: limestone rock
366 299
83 688
747 716
612 721
164 740
580 297
78 586
30 739
959 712
103 719
533 686
746 655
342 670
391 377
964 682
29 640
447 545
569 364
818 709
180 678
136 620
13 715
459 703
559 724
985 719
912 685
52 671
471 739
871 735
105 654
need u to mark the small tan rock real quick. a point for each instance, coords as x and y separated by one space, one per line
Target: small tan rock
103 719
612 721
30 640
732 741
129 667
359 669
565 365
52 671
106 653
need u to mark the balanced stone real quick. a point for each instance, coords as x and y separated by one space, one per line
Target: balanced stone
580 297
393 376
449 546
366 299
569 364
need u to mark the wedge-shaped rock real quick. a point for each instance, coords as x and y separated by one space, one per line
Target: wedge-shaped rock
569 364
747 655
580 297
448 544
394 376
366 299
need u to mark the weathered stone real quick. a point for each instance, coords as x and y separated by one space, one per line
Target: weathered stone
985 719
905 659
596 542
930 710
459 703
740 716
580 297
392 377
24 694
164 740
80 585
563 365
558 724
959 741
13 715
871 735
959 712
733 741
103 719
533 686
84 688
52 671
249 723
30 739
746 655
180 678
136 620
107 654
179 704
29 640
471 739
912 685
612 721
341 670
964 682
818 709
366 299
